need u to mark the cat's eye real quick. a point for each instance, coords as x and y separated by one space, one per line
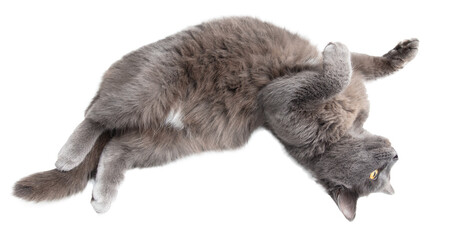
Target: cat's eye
374 174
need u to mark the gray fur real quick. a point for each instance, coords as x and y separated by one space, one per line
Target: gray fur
55 184
78 145
210 86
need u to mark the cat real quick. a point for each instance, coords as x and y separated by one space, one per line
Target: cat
208 88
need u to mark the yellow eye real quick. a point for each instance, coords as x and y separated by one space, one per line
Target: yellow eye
374 174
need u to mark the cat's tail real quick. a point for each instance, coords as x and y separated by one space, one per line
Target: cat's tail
56 184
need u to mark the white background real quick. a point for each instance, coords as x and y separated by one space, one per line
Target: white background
53 54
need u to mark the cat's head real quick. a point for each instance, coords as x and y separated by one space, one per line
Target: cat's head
355 166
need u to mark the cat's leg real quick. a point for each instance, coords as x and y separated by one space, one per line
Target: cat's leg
312 86
78 145
288 103
372 67
110 173
134 149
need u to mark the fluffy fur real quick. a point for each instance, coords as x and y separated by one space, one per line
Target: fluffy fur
55 184
209 87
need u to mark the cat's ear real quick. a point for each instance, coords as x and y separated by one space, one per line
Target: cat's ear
346 201
388 189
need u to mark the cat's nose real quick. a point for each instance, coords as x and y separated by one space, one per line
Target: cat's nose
394 154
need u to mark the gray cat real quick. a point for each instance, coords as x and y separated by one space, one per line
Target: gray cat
208 88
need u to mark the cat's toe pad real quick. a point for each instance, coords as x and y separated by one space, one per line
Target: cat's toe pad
404 52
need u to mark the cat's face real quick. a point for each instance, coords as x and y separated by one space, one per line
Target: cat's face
356 165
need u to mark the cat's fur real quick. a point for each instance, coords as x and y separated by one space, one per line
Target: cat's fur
208 88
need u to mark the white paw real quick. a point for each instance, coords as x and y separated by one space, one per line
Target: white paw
337 56
100 206
336 49
66 164
330 47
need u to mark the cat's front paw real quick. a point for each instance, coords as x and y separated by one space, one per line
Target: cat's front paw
336 51
403 53
337 63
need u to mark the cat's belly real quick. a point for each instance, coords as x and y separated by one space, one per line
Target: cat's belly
215 120
214 123
346 110
210 92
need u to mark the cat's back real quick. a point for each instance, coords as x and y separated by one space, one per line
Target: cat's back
210 71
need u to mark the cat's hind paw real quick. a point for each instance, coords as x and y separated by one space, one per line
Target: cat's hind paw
65 163
100 206
403 53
